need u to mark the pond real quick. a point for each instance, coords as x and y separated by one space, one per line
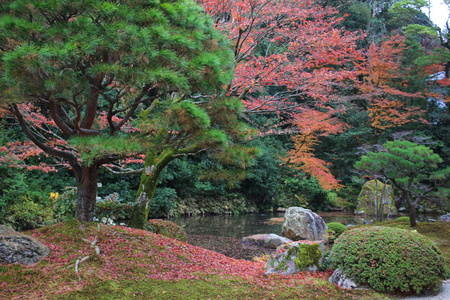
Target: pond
224 234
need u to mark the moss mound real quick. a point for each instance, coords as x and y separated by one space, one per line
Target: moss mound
335 229
390 259
138 264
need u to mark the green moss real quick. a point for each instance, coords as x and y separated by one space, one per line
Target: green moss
282 266
402 219
335 229
307 256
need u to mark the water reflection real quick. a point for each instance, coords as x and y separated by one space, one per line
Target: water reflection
223 234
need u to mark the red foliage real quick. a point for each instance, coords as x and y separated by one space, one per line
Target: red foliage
389 105
296 48
17 153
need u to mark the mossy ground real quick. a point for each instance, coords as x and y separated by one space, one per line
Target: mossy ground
136 264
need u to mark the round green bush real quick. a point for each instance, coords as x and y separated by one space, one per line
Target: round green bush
389 259
166 228
402 219
336 229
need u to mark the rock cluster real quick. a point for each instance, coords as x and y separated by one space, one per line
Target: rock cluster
16 247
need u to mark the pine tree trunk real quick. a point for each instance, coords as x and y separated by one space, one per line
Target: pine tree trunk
153 167
412 210
412 215
87 181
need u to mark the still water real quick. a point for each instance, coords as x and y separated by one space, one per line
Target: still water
223 234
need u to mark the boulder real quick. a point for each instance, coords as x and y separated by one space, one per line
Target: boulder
266 240
341 280
445 218
295 257
16 247
376 198
303 224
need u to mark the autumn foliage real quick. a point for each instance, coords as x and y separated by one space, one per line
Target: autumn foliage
294 60
383 77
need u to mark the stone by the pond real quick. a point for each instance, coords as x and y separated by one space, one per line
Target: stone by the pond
295 257
303 224
341 280
266 240
16 247
445 218
375 195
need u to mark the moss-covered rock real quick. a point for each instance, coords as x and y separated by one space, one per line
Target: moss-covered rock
376 199
296 257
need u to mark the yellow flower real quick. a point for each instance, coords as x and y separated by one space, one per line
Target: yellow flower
54 196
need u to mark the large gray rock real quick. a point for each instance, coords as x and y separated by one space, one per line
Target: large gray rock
445 218
296 257
266 240
303 224
341 280
16 247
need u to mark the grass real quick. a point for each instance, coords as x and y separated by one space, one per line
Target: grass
136 264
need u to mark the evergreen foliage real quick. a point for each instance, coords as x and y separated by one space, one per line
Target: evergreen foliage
412 169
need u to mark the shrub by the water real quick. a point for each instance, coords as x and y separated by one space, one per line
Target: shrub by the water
335 229
390 259
166 228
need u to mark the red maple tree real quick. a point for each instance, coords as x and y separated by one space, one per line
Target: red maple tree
383 75
298 49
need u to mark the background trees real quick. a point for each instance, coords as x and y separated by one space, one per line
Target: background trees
319 83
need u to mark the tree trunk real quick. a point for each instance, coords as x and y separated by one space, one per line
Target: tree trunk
153 167
141 208
412 214
87 181
412 209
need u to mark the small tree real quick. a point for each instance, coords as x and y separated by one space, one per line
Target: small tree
412 169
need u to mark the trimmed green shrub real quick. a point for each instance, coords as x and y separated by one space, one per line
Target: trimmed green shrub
166 228
335 229
402 219
389 259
